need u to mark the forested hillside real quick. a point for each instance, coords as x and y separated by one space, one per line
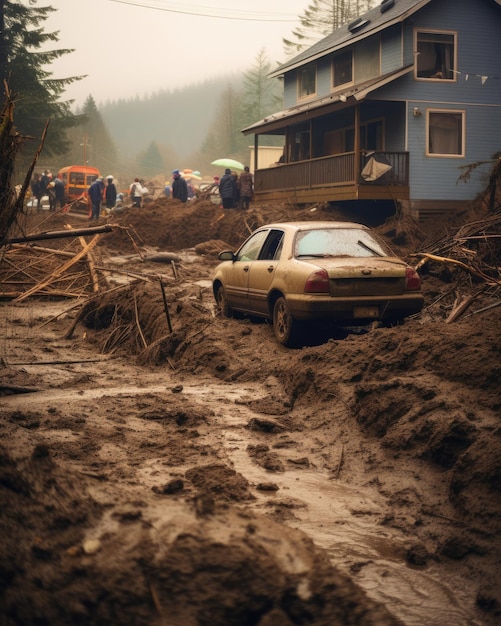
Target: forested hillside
178 121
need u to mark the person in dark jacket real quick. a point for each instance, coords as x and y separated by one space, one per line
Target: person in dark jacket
179 186
227 189
59 192
246 184
111 193
95 192
36 191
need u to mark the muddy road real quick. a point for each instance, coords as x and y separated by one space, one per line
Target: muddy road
211 476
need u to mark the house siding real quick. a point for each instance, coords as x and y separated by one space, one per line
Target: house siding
436 178
391 50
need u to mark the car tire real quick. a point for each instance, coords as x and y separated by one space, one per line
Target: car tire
222 302
284 325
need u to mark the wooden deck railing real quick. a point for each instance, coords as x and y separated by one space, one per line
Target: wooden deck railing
329 171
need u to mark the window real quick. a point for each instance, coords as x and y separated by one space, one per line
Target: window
273 246
77 178
337 242
435 55
307 81
250 250
342 69
445 133
343 140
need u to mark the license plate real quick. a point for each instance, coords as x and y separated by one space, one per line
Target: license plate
371 312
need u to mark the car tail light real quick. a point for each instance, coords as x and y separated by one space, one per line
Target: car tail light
412 280
317 282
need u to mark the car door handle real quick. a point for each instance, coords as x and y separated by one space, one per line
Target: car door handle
270 268
246 268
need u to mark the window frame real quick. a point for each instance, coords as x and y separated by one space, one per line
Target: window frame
337 86
453 70
439 155
302 92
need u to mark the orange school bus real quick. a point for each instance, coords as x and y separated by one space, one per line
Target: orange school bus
77 179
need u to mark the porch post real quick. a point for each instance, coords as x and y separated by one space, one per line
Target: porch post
256 147
356 160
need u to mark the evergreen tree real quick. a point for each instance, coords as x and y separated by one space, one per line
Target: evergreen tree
320 19
101 150
150 161
23 65
261 95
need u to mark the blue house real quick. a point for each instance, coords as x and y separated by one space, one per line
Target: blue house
388 108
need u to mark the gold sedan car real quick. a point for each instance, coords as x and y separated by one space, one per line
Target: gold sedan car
298 272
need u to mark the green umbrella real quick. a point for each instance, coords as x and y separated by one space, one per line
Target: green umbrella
231 163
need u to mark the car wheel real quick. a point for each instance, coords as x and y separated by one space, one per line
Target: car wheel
284 325
222 303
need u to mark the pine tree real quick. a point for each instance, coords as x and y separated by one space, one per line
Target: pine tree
260 94
150 161
22 64
320 19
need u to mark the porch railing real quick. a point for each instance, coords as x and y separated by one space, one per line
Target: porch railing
329 171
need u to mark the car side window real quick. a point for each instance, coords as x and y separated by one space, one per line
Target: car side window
250 250
272 246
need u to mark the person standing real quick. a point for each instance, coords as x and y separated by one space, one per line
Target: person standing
179 187
136 193
246 184
51 194
36 193
111 193
60 192
42 191
227 189
95 192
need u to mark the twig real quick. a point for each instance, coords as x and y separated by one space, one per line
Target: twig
137 322
341 459
169 325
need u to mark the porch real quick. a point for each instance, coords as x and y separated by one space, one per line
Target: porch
333 178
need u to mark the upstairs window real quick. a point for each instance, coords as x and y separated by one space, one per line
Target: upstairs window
436 54
446 133
307 81
342 69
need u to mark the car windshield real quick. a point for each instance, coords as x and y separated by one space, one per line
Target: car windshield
337 242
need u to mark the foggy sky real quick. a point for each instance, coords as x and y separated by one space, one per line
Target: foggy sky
130 51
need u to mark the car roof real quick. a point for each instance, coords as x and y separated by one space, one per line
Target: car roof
307 225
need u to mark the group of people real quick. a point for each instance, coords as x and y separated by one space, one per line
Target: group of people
236 191
46 185
98 191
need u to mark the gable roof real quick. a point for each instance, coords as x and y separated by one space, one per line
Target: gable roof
377 19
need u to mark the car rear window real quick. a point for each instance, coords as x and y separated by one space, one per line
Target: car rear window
337 242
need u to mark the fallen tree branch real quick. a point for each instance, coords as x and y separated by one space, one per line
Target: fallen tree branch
432 257
60 234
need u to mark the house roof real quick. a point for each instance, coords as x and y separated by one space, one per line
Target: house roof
381 17
322 106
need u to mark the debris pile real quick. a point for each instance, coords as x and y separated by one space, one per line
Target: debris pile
469 260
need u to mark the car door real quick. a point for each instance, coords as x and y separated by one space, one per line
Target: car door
237 286
262 271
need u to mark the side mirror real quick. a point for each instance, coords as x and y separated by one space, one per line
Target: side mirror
227 255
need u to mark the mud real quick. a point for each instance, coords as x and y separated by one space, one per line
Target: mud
210 476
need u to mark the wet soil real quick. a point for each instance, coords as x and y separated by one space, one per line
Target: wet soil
162 465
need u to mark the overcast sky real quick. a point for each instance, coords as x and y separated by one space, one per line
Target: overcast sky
137 47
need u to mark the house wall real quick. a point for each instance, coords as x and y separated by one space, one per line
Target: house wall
391 49
478 24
